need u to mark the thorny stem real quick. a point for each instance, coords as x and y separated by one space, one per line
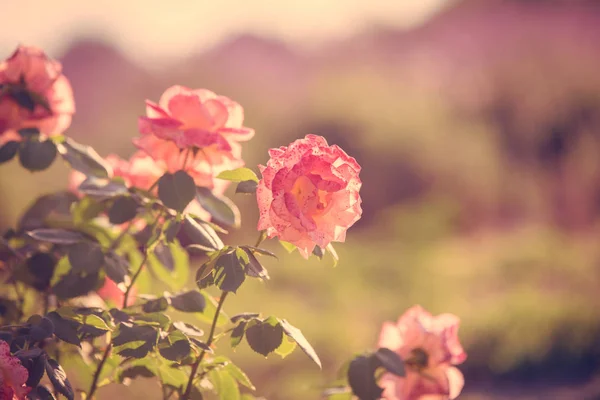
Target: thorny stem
190 383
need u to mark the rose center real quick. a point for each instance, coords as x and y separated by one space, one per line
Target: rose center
419 359
311 200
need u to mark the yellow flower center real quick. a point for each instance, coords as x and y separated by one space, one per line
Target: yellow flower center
311 200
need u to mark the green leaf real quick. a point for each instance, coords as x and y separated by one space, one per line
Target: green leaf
176 190
391 361
86 209
45 206
37 156
288 246
237 334
191 301
58 378
173 227
361 377
254 268
246 187
286 348
96 322
84 159
317 251
175 347
239 375
128 334
64 329
229 272
188 329
222 209
155 305
299 338
238 175
37 271
102 188
116 266
56 236
8 151
175 276
40 393
260 251
202 233
264 336
74 285
86 257
154 319
225 385
124 209
209 312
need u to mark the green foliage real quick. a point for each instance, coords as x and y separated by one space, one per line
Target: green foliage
176 190
238 175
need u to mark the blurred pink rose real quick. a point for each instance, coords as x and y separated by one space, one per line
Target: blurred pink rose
13 375
140 171
195 118
203 167
111 292
33 94
429 347
309 194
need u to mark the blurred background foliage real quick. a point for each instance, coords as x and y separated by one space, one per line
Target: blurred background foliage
478 133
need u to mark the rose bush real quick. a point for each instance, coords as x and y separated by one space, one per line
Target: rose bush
127 231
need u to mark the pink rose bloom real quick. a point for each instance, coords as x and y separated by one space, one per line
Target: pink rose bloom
110 292
203 167
309 194
429 347
34 78
195 118
13 375
139 171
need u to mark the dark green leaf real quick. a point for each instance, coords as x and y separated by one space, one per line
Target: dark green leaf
36 366
246 187
299 338
176 273
8 151
238 175
58 378
37 156
45 206
222 210
56 236
264 336
258 250
27 133
116 266
163 254
229 272
135 372
188 329
317 251
87 209
175 347
65 330
124 209
9 311
127 334
74 285
254 268
40 393
361 378
84 159
38 272
391 361
237 334
155 319
41 330
102 188
86 257
172 230
192 301
176 190
244 317
156 305
135 350
201 233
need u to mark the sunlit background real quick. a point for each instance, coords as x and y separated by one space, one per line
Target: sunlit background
477 123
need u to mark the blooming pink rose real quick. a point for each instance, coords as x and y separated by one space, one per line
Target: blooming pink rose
309 194
429 347
204 166
195 118
33 94
13 375
111 292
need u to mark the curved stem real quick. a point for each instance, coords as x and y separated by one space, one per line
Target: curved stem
190 383
134 278
99 370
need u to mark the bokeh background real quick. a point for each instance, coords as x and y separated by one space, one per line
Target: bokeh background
476 122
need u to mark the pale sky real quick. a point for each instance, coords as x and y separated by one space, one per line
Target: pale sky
149 29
